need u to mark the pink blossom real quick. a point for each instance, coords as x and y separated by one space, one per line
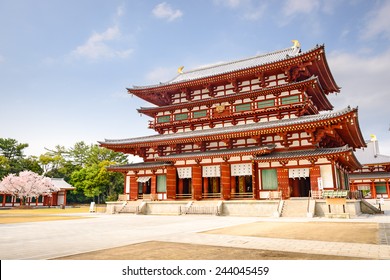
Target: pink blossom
27 185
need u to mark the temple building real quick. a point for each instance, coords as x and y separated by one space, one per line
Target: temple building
57 198
373 178
247 129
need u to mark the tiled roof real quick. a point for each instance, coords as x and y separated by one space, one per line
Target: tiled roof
219 153
229 67
140 165
371 155
230 129
303 153
61 183
371 175
277 88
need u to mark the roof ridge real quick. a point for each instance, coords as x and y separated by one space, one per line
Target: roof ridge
191 74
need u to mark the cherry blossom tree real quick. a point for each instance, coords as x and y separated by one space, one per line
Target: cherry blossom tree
27 185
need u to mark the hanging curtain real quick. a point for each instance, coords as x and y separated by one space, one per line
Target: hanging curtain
143 179
241 169
184 172
269 179
298 173
211 171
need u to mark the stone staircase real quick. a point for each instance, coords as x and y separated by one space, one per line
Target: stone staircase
203 207
128 207
294 208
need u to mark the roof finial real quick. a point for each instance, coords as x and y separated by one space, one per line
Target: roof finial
180 70
296 45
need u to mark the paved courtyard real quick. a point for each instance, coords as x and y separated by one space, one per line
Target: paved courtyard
56 239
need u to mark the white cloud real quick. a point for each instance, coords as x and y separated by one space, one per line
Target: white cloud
292 7
161 74
256 12
231 3
378 22
120 11
164 11
363 81
98 46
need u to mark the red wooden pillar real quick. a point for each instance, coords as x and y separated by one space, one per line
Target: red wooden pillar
255 180
125 182
4 199
388 188
197 182
153 184
205 185
171 182
315 173
283 182
232 184
225 181
180 186
373 189
133 188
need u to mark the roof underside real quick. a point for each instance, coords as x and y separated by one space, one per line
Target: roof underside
257 150
251 67
312 84
343 154
350 132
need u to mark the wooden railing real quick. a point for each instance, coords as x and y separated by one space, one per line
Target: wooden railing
184 196
273 195
242 195
211 195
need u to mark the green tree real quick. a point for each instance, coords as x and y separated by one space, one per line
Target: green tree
96 182
13 160
11 149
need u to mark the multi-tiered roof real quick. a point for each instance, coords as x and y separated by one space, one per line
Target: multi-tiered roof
306 72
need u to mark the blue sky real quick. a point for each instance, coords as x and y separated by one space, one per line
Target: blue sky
65 65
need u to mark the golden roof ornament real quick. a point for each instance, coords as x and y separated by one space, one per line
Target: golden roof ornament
180 70
296 43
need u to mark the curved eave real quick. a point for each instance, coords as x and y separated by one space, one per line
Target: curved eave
240 131
138 166
351 131
311 83
326 78
219 153
158 94
344 155
319 97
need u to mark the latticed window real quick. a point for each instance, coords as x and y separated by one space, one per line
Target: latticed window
289 99
200 114
163 119
266 103
269 179
380 188
161 183
243 107
181 117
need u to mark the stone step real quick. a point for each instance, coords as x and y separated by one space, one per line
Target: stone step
294 208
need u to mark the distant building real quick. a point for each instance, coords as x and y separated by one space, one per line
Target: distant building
56 199
245 129
373 179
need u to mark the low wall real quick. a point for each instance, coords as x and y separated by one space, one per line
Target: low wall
163 207
352 207
250 208
244 208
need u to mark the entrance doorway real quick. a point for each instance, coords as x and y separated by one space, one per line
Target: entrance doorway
299 187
